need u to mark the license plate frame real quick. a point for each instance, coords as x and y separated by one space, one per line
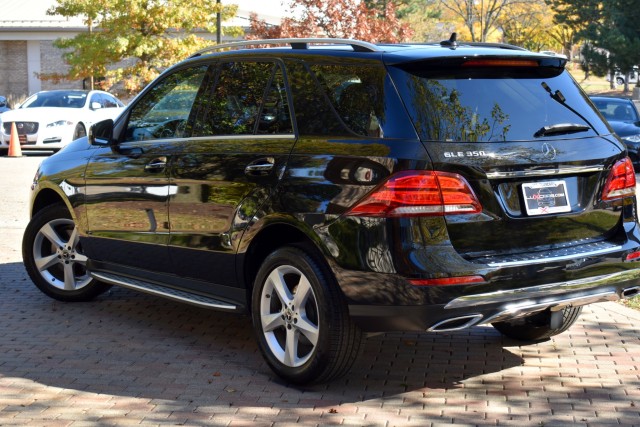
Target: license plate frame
547 197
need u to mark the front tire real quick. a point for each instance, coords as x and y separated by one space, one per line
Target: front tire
301 319
619 80
539 326
53 257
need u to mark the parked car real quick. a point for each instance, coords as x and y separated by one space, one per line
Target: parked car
336 188
622 115
49 120
620 78
4 106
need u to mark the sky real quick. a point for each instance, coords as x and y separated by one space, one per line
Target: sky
264 8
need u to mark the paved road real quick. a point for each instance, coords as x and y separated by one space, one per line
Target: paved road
132 359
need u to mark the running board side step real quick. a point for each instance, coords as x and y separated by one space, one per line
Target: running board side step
163 291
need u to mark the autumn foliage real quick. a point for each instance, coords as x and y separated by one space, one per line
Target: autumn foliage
350 19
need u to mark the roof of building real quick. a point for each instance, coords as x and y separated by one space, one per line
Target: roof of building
32 15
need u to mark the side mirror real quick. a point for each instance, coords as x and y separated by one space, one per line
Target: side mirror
96 105
101 133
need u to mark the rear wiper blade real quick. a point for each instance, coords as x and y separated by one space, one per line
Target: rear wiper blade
560 129
560 99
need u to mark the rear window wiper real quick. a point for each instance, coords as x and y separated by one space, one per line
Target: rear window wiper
560 129
560 99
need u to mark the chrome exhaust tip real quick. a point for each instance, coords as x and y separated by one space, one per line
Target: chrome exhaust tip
456 323
630 292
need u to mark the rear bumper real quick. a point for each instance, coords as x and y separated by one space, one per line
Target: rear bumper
481 308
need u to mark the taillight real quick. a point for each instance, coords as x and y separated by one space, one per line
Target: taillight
621 181
418 193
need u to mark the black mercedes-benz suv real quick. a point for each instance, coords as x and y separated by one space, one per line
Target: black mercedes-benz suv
334 188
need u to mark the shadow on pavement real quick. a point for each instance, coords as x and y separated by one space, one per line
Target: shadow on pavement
131 344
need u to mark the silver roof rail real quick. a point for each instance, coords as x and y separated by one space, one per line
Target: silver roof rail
357 45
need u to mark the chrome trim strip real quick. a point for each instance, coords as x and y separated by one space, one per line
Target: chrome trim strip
546 172
180 296
557 258
548 291
237 137
527 307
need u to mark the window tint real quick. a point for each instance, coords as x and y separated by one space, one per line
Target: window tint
275 117
163 111
356 93
450 102
246 98
314 113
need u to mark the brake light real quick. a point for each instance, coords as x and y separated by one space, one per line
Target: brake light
418 193
500 63
621 181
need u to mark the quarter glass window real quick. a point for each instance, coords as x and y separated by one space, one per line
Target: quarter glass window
356 93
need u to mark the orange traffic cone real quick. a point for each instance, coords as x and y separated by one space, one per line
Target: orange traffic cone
14 142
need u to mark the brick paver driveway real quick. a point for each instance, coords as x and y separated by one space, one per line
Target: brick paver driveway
130 359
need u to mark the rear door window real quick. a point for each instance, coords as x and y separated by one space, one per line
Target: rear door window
245 98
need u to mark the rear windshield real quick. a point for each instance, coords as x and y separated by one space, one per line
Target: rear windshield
460 102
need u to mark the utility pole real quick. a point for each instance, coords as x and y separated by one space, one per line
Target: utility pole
90 25
219 22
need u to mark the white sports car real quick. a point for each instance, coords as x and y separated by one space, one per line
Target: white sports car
49 120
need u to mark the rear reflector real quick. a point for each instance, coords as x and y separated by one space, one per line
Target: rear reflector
448 281
633 256
621 181
417 193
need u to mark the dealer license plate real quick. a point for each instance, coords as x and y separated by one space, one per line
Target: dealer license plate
547 197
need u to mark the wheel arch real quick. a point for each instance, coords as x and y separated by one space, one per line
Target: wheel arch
267 240
47 197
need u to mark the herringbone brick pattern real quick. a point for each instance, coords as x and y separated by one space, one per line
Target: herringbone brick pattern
131 359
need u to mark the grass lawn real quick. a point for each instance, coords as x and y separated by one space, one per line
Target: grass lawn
597 85
633 302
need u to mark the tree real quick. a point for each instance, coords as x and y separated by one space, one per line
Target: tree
142 36
351 19
480 17
424 17
609 26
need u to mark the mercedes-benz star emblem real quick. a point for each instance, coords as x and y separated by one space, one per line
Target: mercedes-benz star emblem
548 151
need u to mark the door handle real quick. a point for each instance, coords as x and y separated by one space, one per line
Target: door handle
260 167
156 165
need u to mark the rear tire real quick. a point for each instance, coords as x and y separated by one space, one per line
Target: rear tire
53 257
619 80
539 326
301 319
